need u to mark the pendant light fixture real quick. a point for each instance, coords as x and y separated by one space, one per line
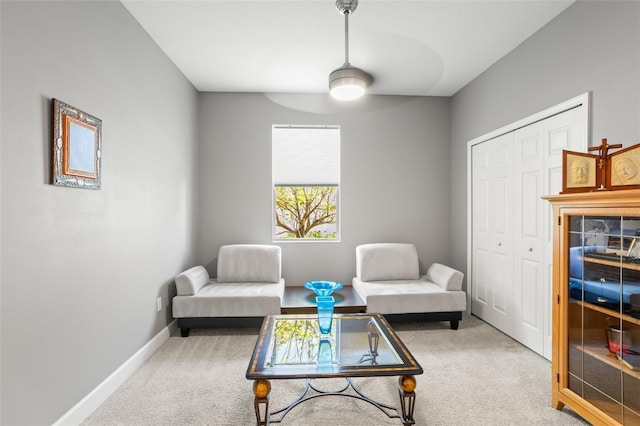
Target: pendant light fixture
348 83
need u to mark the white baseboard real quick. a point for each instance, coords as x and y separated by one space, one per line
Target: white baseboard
87 405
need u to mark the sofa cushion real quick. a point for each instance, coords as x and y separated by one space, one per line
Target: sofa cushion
409 296
190 281
447 278
231 300
249 263
387 262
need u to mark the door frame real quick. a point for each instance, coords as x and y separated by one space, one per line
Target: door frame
583 99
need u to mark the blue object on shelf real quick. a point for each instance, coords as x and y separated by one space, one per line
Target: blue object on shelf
325 313
323 288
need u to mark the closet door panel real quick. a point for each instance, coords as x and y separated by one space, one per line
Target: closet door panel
567 130
529 164
502 287
481 272
530 314
492 244
502 265
482 238
530 184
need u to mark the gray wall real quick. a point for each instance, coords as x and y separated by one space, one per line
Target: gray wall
590 47
81 269
394 170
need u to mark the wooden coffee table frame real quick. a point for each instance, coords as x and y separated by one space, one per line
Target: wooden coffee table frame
406 369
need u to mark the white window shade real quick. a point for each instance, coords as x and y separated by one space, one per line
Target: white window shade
306 155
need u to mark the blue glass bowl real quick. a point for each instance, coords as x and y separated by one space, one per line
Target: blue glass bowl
323 288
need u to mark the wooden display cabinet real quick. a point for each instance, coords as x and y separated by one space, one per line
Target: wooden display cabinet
595 315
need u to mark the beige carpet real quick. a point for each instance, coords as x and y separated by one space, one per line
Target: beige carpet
473 376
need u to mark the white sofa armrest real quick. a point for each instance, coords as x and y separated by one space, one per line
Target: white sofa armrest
446 277
190 281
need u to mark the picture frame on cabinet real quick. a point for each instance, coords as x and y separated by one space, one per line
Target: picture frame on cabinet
579 172
77 147
623 169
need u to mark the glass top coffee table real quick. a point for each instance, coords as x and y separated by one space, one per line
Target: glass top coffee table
359 345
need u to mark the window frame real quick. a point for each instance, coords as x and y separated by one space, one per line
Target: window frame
274 186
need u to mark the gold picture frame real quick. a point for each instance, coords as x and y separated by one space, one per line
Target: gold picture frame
579 172
77 147
623 169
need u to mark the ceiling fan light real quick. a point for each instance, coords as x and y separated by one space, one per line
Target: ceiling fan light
348 83
347 91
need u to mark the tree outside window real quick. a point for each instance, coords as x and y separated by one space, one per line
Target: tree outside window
306 212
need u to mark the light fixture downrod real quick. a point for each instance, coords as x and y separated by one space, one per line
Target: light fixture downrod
348 82
346 37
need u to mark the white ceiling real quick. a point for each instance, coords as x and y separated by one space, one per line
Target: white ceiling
410 47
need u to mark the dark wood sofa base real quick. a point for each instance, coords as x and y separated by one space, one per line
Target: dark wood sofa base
186 324
453 317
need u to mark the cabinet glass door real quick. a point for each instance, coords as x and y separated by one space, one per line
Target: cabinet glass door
603 313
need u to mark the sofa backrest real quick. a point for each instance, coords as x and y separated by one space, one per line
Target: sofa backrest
387 262
256 263
190 281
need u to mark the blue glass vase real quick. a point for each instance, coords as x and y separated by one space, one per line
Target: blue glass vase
325 354
323 288
325 313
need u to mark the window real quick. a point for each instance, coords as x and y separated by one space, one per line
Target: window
306 182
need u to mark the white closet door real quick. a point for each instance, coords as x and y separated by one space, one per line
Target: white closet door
511 246
528 265
562 131
492 248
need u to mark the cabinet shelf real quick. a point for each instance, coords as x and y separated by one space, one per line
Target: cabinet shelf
596 349
614 263
607 311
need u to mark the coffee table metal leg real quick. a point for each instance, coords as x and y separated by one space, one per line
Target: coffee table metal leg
261 389
406 387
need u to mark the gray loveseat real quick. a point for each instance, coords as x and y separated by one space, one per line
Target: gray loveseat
248 284
388 281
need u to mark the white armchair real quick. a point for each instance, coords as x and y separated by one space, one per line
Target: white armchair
248 284
388 280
